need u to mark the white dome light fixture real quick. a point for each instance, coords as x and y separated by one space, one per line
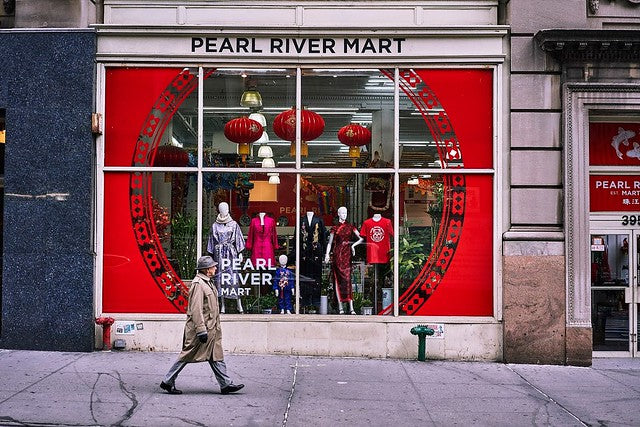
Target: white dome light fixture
260 118
268 162
274 179
265 151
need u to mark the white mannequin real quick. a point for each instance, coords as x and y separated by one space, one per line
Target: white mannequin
309 216
223 216
261 215
282 260
342 217
376 217
223 209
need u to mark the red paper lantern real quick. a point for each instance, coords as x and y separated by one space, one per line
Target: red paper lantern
170 155
311 123
243 131
354 135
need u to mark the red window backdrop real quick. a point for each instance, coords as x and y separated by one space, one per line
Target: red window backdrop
614 144
131 282
467 99
466 288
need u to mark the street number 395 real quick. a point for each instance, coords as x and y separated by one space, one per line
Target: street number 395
630 219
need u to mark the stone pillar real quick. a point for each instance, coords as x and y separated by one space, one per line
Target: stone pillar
534 302
47 89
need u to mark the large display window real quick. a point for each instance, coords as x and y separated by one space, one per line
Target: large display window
318 191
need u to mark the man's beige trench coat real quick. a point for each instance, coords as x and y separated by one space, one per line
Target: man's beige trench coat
203 315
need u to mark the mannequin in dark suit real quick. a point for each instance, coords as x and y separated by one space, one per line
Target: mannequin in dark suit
313 240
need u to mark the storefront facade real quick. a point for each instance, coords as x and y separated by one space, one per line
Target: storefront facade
401 127
482 167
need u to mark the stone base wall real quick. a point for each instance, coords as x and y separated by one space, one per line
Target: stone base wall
534 309
331 336
579 345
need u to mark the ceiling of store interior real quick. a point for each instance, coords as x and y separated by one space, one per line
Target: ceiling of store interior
354 97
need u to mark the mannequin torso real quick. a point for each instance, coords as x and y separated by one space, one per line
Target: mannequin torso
378 231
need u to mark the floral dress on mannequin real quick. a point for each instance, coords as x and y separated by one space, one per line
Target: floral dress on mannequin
225 244
341 265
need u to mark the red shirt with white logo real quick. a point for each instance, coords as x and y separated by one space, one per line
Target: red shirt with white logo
378 236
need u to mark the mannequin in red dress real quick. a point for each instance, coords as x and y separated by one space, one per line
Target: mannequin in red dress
343 249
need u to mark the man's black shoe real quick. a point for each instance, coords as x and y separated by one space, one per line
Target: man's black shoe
231 388
170 388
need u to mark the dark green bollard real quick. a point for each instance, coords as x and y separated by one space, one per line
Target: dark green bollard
421 331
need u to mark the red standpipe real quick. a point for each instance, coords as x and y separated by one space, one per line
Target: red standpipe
106 323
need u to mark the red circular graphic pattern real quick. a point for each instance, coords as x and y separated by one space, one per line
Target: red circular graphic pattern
437 122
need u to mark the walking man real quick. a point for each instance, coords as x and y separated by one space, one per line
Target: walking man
202 340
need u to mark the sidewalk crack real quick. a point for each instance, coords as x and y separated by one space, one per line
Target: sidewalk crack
549 398
417 392
93 392
129 394
293 387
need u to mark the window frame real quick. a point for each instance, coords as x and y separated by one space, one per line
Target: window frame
495 172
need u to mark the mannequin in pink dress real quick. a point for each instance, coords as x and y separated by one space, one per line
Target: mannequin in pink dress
262 240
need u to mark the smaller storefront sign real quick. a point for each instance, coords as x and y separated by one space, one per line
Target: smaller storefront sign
610 193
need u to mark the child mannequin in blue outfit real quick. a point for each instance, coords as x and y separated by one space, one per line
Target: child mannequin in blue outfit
284 285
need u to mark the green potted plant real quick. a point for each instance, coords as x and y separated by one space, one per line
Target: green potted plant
413 250
367 307
183 244
268 303
359 301
324 296
252 304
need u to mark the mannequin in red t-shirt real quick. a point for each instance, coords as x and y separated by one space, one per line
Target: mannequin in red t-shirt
377 231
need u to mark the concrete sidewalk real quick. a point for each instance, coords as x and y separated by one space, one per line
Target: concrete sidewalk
121 388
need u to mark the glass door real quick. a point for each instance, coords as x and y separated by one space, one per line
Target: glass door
635 293
614 292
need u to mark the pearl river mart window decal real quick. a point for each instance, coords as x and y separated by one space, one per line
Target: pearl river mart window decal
450 155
